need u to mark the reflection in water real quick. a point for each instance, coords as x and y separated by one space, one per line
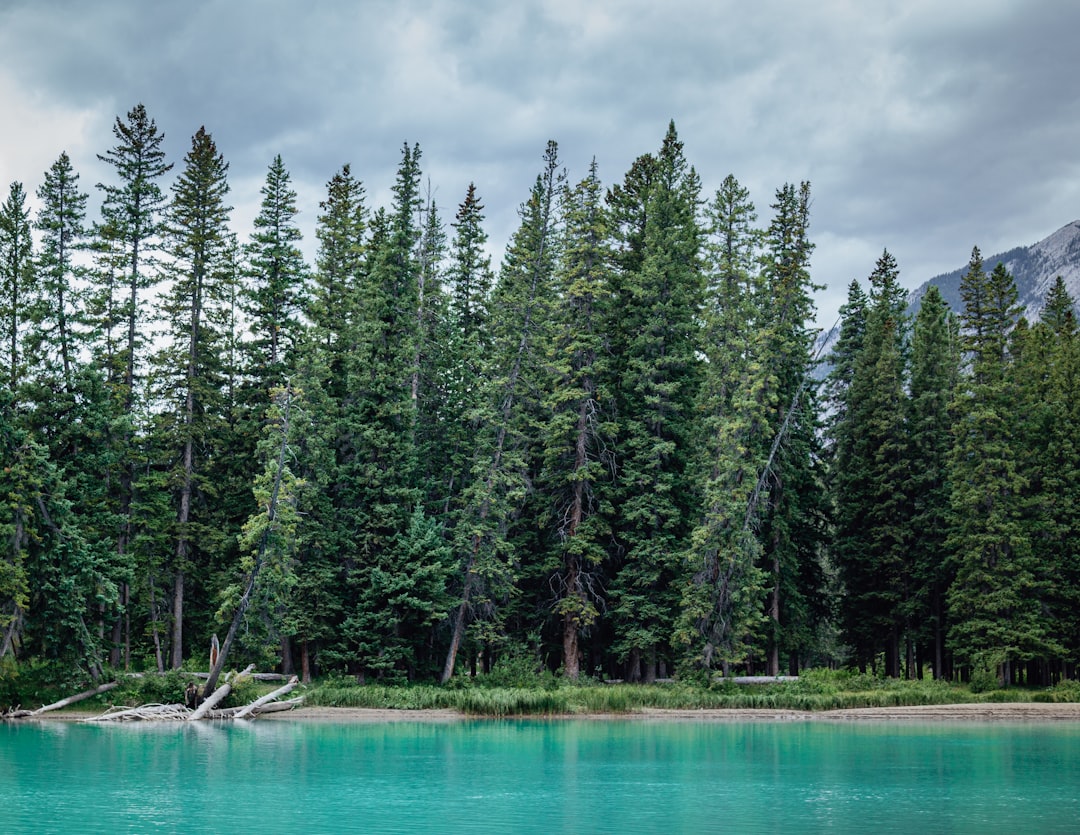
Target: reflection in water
539 776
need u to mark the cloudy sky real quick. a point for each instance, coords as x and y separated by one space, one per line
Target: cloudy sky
924 126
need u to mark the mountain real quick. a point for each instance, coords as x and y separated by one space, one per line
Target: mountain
1034 269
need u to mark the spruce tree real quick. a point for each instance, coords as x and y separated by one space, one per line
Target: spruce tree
871 506
56 335
721 607
275 290
16 275
934 374
790 507
658 379
498 478
130 232
993 622
378 473
189 369
578 436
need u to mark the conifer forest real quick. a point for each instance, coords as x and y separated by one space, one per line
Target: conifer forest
612 453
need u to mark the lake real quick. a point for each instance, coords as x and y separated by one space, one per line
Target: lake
522 776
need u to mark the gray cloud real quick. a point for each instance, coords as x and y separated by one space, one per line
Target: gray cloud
922 129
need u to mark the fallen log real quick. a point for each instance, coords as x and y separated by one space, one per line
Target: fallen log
247 710
254 676
270 707
78 697
152 712
218 695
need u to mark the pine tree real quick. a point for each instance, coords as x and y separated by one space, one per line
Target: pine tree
275 294
16 275
934 374
658 381
790 509
131 214
870 540
994 623
189 369
56 336
579 434
721 608
497 481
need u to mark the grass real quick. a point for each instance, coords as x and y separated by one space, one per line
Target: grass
815 691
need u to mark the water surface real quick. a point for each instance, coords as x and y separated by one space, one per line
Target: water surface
540 776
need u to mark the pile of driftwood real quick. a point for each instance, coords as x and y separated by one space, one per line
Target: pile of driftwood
206 709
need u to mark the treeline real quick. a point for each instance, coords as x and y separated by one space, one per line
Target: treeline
608 455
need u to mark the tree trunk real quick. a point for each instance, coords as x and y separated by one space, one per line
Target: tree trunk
571 660
218 695
247 710
305 663
774 615
178 620
70 700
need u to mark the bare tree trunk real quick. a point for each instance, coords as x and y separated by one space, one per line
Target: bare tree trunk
70 700
218 695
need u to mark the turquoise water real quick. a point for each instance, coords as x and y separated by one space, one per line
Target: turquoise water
537 776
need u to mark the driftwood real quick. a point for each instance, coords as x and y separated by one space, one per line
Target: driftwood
180 713
269 697
253 676
152 712
218 695
269 707
70 700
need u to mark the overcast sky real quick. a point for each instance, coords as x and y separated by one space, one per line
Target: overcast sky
924 126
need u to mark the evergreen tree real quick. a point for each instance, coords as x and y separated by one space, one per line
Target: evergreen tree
579 434
276 289
125 243
55 336
721 608
50 578
189 369
16 275
934 375
497 481
1044 371
131 213
792 519
378 473
870 540
468 342
658 380
317 599
993 621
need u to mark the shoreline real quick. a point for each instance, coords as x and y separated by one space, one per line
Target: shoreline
967 712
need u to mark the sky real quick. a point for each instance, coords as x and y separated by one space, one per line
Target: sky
924 127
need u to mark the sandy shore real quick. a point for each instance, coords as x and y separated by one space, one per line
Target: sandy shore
996 712
1017 712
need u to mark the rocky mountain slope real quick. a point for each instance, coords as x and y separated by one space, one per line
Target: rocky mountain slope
1034 269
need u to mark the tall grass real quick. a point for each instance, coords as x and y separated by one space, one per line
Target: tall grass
814 691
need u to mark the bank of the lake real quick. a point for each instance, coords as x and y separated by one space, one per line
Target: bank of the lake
349 770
